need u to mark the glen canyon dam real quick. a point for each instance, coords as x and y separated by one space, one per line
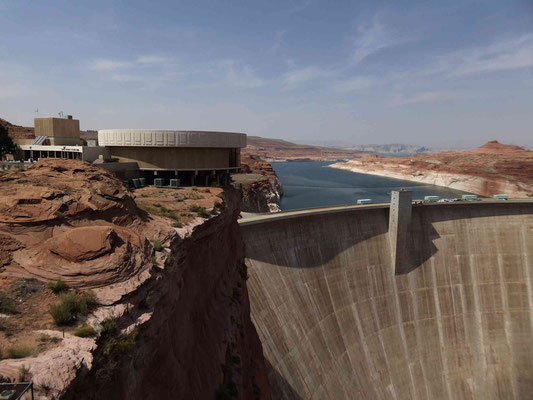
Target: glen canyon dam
338 320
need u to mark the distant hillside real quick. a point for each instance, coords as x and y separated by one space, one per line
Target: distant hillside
490 169
394 148
281 150
17 131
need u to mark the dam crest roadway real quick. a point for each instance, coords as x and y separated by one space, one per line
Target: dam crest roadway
338 320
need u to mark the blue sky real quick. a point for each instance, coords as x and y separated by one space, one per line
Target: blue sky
441 73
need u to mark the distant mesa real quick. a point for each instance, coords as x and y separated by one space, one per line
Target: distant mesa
496 147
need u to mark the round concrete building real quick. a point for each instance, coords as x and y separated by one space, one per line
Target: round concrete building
176 153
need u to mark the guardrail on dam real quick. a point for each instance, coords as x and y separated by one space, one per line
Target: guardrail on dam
336 322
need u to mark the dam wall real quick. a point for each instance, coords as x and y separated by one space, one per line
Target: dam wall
336 322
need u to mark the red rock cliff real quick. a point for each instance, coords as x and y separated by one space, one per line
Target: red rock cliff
173 323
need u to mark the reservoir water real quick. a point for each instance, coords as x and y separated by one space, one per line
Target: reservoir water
309 184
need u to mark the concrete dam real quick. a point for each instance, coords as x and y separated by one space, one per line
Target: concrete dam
346 310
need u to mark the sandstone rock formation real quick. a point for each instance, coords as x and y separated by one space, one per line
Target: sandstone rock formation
262 194
173 322
491 169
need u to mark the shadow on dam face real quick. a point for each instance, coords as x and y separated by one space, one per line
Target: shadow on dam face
337 323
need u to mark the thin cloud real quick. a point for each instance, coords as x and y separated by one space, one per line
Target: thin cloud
298 77
373 38
505 55
107 65
234 73
423 97
354 84
153 60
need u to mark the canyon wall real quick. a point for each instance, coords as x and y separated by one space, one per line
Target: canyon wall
199 341
262 193
166 311
337 323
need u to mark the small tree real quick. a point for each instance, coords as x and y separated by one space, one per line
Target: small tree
6 144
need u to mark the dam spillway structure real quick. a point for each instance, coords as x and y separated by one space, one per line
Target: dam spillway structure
338 321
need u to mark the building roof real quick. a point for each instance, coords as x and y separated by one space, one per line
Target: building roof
170 138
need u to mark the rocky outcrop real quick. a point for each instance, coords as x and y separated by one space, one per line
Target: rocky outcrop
196 338
172 322
491 169
17 131
262 194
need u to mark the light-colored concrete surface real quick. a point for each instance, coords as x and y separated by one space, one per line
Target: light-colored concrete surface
400 230
337 323
169 138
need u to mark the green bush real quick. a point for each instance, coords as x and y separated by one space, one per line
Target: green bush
44 338
109 326
58 286
85 331
71 304
175 216
202 212
157 245
177 224
194 207
156 205
20 351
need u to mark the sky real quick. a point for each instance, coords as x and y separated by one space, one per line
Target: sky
435 73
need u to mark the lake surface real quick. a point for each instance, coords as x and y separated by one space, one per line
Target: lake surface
310 184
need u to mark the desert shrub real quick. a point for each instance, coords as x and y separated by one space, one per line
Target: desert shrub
24 287
44 338
146 302
194 207
175 216
157 205
157 245
107 364
71 304
177 224
85 331
61 314
58 286
221 196
218 204
7 327
202 212
20 351
7 304
23 374
109 326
